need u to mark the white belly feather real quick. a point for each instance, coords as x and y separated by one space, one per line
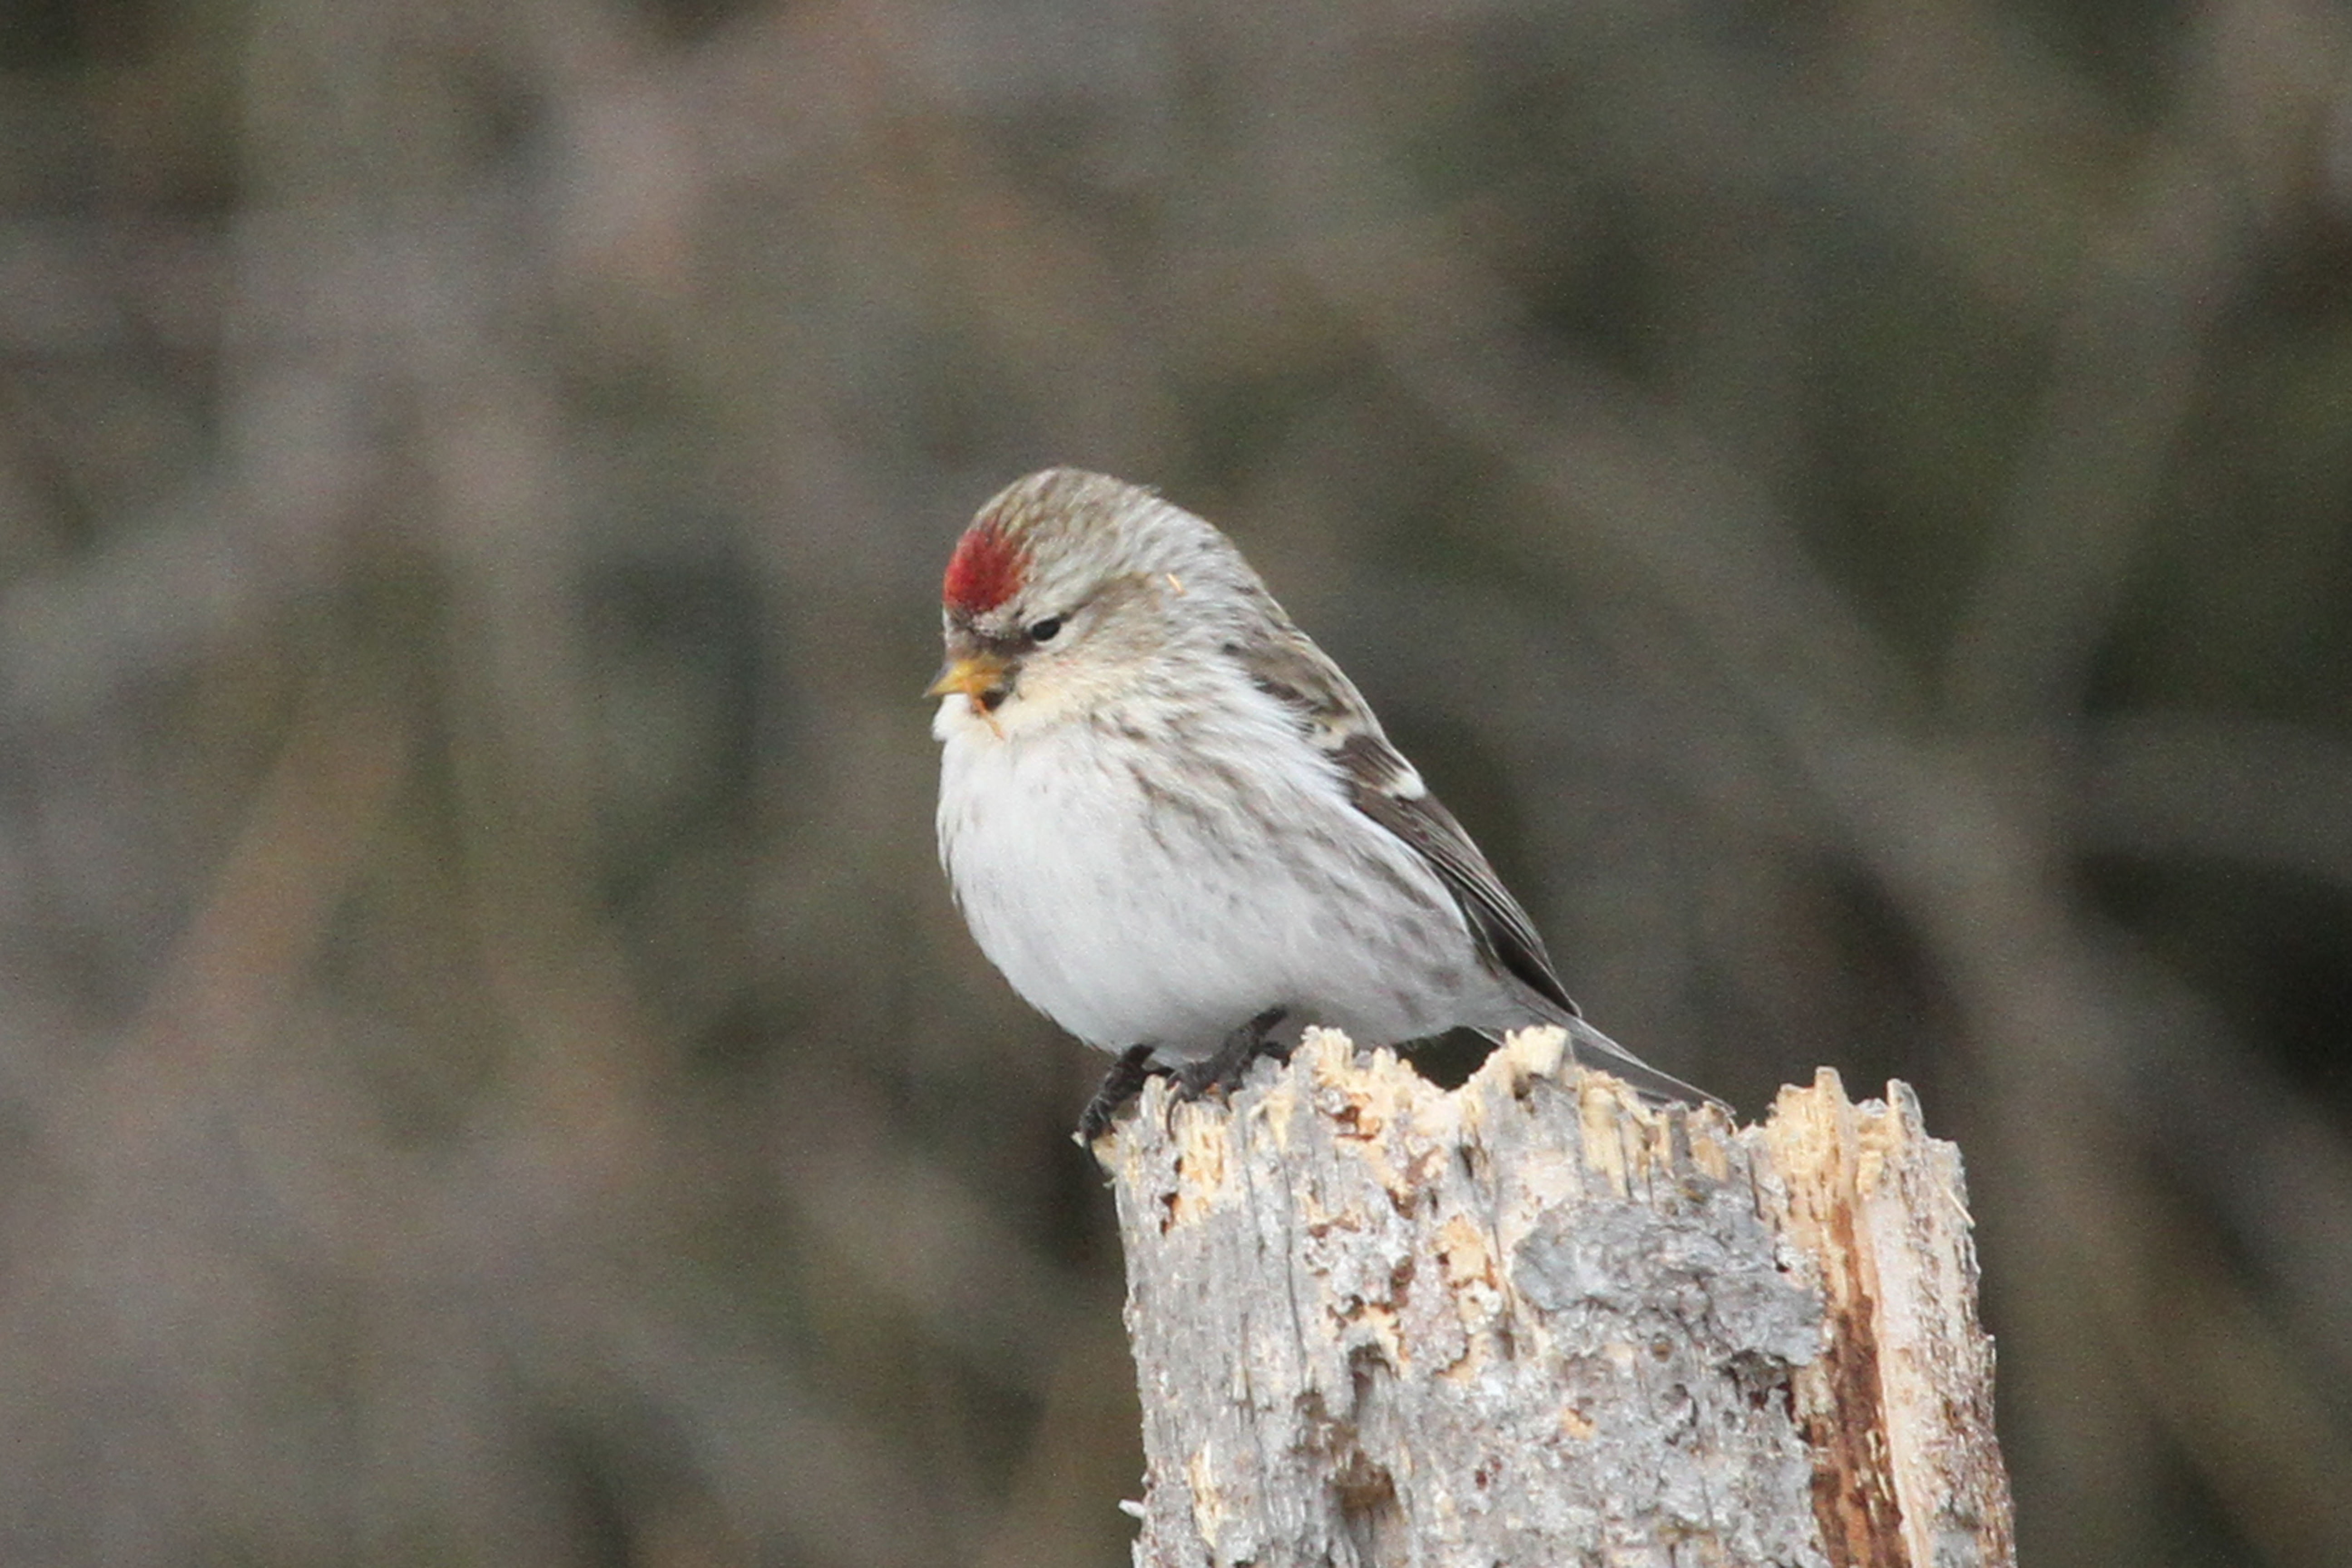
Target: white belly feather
1131 912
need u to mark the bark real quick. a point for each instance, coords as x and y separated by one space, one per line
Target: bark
1533 1321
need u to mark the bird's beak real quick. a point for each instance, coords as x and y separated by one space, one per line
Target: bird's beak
981 677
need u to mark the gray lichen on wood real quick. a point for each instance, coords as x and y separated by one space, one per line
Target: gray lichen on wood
1534 1321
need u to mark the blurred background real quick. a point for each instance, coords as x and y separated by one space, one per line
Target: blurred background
1850 500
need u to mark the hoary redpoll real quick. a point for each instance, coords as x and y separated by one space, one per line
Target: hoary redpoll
1176 827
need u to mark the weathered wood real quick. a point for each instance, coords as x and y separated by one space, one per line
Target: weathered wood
1533 1321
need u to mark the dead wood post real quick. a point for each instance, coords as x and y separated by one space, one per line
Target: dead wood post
1532 1323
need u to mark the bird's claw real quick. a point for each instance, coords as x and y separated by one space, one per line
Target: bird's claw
1223 1068
1118 1086
1231 1062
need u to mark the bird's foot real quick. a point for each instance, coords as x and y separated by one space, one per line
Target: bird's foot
1230 1063
1126 1076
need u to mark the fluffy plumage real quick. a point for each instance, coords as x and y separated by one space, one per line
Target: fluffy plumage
1165 812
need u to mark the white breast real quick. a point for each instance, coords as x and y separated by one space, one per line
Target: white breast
1123 876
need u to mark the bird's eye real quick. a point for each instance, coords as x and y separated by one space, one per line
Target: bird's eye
1045 630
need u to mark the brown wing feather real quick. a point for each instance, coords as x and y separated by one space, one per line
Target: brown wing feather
1385 788
1499 925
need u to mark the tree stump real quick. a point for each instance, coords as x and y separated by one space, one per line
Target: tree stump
1533 1321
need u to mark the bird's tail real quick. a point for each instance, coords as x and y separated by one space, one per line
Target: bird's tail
1592 1048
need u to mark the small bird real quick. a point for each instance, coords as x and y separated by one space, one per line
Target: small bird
1173 823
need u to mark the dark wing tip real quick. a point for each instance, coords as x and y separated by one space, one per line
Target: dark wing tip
1501 928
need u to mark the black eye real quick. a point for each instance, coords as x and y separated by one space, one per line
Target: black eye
1045 630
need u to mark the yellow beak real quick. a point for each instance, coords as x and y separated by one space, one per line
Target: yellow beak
978 676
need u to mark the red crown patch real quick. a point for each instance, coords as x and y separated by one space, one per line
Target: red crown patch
984 571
